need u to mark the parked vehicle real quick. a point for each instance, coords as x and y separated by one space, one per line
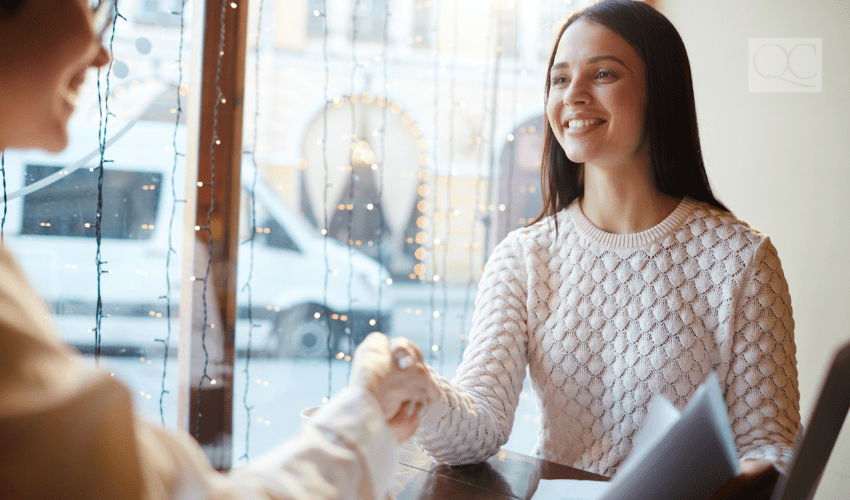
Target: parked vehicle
51 231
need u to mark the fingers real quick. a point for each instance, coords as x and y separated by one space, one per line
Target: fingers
405 346
375 340
402 359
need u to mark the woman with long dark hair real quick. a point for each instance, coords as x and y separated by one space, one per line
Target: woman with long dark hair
634 282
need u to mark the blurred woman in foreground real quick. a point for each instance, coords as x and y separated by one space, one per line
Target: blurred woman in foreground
68 430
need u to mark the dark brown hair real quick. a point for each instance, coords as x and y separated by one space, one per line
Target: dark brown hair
10 7
671 121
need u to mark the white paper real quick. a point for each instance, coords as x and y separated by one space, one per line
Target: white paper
686 456
569 489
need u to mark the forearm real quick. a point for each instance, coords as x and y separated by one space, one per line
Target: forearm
346 452
762 389
460 429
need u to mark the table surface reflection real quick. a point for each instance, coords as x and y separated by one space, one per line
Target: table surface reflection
507 475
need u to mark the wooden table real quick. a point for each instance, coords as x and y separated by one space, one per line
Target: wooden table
508 475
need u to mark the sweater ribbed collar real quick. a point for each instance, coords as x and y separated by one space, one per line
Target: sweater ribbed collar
631 240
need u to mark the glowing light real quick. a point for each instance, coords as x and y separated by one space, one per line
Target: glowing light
361 152
317 315
436 314
389 281
435 348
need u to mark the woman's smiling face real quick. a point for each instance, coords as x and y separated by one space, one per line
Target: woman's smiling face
50 45
597 97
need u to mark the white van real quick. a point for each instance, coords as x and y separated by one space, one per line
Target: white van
51 232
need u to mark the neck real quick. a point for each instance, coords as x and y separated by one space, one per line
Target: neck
624 200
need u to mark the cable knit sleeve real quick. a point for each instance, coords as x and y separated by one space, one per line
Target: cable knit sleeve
476 414
761 383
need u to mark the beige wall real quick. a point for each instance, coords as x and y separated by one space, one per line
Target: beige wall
781 161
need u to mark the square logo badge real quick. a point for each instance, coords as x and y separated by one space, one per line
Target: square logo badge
785 64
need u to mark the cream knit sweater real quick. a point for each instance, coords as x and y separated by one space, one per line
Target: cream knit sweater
606 321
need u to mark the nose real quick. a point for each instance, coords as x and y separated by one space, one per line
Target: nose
101 57
576 93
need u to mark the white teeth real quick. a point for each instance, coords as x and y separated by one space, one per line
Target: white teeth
583 123
69 96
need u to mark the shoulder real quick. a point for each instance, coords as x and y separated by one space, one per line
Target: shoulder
537 238
722 231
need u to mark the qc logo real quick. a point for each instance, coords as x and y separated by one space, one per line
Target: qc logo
785 65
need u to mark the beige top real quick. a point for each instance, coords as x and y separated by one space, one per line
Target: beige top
68 431
604 322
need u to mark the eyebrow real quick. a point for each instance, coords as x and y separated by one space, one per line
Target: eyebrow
592 60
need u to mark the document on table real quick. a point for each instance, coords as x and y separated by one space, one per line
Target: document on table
688 455
570 489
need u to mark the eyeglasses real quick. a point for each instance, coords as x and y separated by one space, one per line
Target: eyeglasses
102 16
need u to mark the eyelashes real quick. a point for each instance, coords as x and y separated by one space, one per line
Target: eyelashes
600 74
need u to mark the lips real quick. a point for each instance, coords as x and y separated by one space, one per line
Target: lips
69 95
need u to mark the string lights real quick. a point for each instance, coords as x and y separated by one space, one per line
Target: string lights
214 142
380 166
432 346
449 211
175 200
104 113
253 217
326 187
352 176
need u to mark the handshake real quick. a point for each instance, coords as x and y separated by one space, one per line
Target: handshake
394 372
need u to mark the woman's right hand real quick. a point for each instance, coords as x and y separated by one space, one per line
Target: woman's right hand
395 373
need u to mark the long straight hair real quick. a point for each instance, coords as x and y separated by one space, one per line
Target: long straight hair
671 121
10 7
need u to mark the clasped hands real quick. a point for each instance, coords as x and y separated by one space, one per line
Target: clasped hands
394 371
